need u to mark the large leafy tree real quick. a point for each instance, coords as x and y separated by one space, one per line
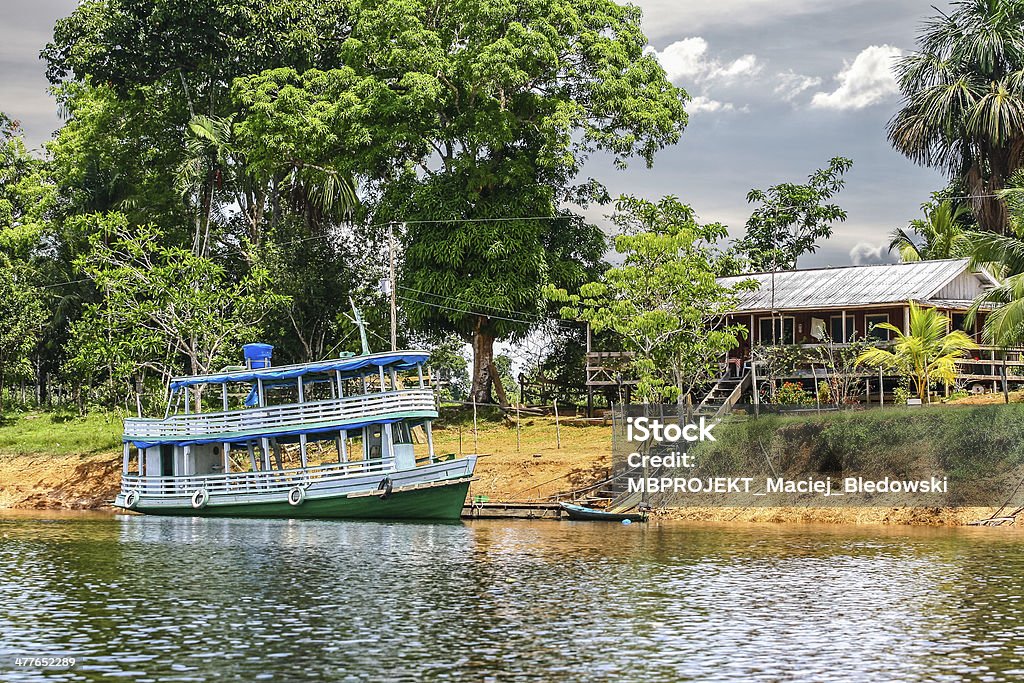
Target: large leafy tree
963 106
507 101
792 218
665 301
25 194
23 318
156 132
162 309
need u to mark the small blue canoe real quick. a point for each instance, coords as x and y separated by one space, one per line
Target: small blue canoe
590 514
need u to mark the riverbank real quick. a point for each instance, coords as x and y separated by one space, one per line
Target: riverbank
50 461
53 461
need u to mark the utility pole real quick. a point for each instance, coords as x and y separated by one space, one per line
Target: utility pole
394 299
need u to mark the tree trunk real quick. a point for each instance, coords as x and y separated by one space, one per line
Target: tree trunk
499 388
990 212
483 359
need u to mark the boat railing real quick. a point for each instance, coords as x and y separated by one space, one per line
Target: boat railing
253 482
288 415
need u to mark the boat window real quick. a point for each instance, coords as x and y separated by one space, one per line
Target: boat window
373 438
166 460
400 433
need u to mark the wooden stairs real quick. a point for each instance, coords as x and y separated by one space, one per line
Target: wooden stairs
724 395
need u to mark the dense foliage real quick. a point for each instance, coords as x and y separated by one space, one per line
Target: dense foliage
235 170
963 109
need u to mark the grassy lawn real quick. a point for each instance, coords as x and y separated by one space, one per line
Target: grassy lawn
59 433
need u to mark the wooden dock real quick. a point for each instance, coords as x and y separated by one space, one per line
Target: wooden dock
512 510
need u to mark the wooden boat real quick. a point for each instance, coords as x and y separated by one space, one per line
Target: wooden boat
591 514
332 439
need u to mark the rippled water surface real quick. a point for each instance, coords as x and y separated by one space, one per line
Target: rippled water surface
146 598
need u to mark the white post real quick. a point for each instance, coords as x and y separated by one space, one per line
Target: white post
518 430
302 450
558 429
419 371
881 388
753 381
342 449
259 390
430 439
387 437
394 294
252 456
265 446
124 464
476 441
142 462
846 336
302 390
188 401
341 386
226 447
224 395
394 379
381 369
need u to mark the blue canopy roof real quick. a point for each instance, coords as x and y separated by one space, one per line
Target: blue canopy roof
401 360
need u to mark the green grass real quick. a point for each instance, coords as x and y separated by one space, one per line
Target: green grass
970 444
59 434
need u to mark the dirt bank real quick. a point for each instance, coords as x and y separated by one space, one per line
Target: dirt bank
530 467
822 515
59 481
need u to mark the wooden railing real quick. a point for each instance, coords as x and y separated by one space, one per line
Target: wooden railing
346 409
247 482
982 363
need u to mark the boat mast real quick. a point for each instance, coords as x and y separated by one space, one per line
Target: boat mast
362 327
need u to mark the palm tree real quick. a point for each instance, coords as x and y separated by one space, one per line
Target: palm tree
963 101
927 353
940 235
215 164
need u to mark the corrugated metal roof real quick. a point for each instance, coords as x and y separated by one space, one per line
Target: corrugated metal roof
847 286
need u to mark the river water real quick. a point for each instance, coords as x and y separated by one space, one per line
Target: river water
147 598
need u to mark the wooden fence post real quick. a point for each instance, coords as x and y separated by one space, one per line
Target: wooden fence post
558 429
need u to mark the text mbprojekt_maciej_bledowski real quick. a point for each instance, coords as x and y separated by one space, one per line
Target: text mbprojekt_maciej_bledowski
643 430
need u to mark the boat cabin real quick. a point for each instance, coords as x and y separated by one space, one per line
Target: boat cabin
375 409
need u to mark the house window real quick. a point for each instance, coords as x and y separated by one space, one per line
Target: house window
776 330
960 323
836 329
874 333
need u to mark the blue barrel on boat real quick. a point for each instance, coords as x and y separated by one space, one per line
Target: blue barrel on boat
257 356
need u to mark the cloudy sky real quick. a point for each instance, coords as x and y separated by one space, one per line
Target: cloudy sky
779 87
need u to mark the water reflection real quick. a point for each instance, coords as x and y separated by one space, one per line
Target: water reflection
189 599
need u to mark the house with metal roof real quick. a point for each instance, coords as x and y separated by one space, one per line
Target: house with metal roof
837 306
846 303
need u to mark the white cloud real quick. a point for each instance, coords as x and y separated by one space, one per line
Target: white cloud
791 84
867 80
687 61
702 103
865 253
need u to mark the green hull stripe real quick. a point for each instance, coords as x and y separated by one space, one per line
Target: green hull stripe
438 502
